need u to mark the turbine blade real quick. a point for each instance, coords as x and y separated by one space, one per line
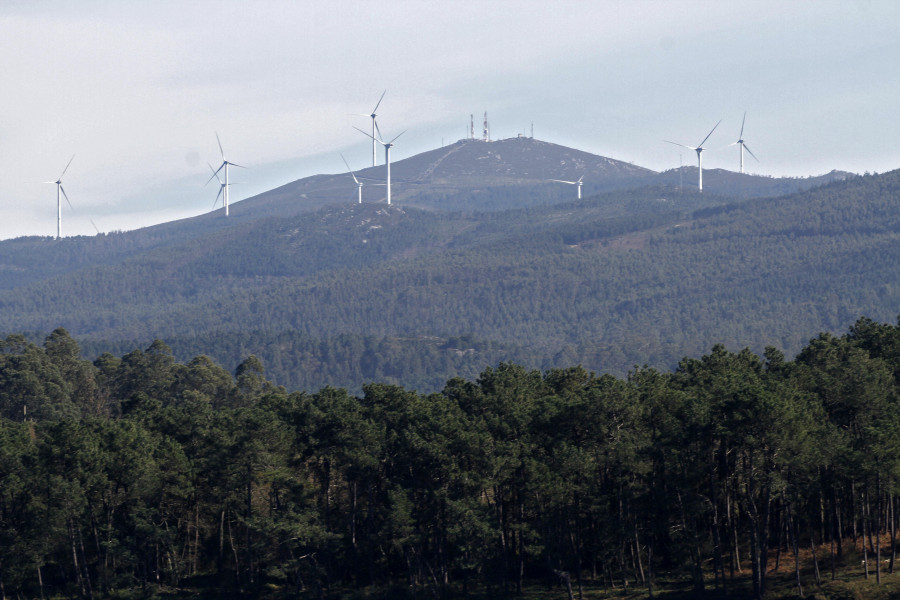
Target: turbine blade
398 135
700 145
237 165
751 154
349 169
368 135
579 179
69 202
97 229
378 104
561 181
215 173
742 125
222 152
67 167
682 145
221 189
378 129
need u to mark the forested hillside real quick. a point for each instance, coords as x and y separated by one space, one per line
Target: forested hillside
735 475
348 294
616 280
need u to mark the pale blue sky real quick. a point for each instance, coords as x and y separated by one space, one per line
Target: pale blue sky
137 90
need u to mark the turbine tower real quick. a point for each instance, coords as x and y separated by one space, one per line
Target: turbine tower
358 182
699 150
225 164
387 156
743 146
60 194
578 183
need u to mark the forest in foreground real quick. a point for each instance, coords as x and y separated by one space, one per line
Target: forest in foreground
139 476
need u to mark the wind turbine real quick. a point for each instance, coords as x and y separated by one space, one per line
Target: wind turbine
699 150
225 164
358 182
374 125
387 155
222 185
61 191
743 146
578 183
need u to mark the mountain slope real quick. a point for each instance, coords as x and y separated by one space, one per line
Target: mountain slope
624 278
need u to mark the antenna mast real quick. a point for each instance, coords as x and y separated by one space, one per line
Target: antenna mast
471 127
487 132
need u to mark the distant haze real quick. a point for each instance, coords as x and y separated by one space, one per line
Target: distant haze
137 91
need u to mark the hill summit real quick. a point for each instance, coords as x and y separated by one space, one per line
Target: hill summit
466 175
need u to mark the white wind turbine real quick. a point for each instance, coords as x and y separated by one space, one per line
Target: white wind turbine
61 193
743 146
387 155
699 150
225 164
374 125
358 182
578 183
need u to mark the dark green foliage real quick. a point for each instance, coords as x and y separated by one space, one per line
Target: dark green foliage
149 473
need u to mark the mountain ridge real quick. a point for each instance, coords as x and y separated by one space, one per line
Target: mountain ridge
641 275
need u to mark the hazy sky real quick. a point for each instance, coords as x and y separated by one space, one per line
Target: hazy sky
137 90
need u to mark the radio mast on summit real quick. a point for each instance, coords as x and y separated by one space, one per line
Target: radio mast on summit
487 131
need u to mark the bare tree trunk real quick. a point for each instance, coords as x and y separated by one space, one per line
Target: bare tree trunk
815 557
637 551
237 565
718 563
878 529
764 538
839 531
893 531
221 558
792 535
87 573
196 554
778 542
77 567
697 569
248 531
735 542
520 575
865 546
